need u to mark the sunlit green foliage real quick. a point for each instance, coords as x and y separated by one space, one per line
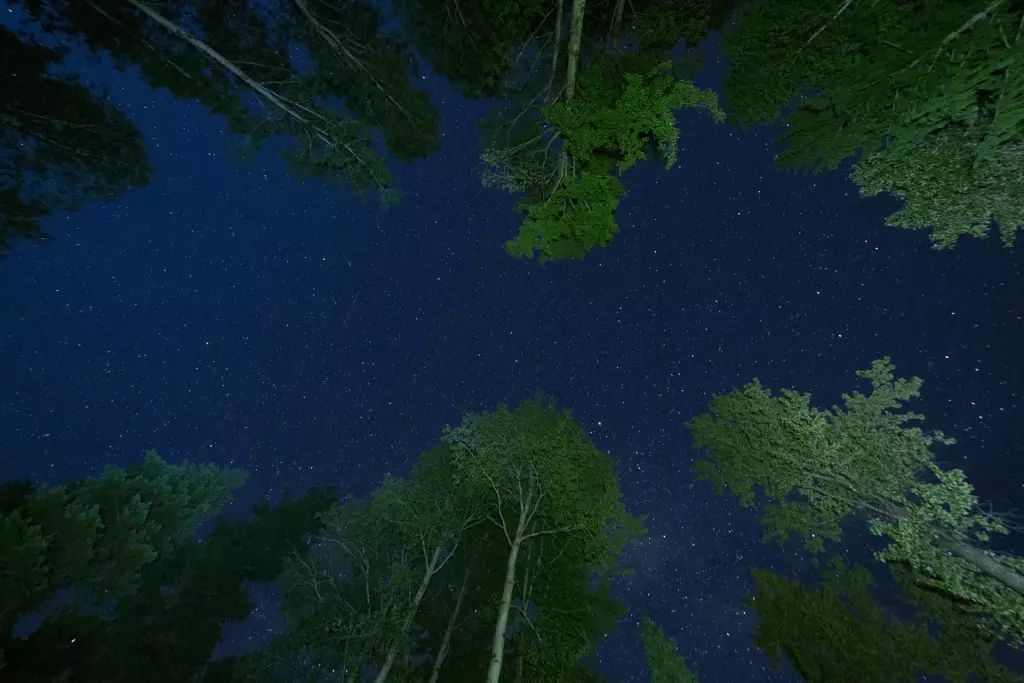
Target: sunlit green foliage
62 144
816 467
837 632
667 665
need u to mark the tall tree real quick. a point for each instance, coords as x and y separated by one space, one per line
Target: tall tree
816 467
549 490
837 632
63 143
563 141
355 598
926 92
236 59
476 44
91 541
430 516
663 658
168 629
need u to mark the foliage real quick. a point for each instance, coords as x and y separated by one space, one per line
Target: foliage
62 143
168 629
667 665
948 508
643 112
615 116
943 188
827 458
575 485
551 132
817 467
371 72
549 491
343 599
474 44
236 59
895 75
92 541
837 632
577 217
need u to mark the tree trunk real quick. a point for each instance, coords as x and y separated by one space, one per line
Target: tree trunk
558 46
986 564
613 32
410 615
442 652
575 38
498 642
1008 576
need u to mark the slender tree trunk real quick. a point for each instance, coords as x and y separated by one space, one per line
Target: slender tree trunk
986 564
558 46
442 652
613 32
575 38
498 642
1008 576
410 615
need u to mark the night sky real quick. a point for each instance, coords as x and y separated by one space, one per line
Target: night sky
236 314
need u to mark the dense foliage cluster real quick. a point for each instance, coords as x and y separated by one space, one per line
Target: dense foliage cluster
327 77
928 92
817 467
62 142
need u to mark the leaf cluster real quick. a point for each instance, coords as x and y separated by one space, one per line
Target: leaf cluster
329 79
62 143
577 217
642 113
667 665
925 91
817 467
537 448
837 632
943 189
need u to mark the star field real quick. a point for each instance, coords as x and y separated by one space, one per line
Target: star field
236 314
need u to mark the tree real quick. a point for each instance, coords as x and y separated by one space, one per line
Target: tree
656 27
837 632
365 580
430 516
899 84
550 491
63 143
944 190
475 44
564 147
235 58
816 467
667 665
167 630
345 599
91 541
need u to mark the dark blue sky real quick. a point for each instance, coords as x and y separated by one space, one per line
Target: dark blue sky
239 315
